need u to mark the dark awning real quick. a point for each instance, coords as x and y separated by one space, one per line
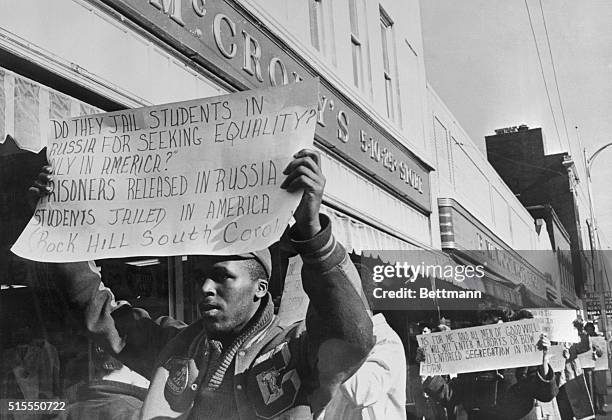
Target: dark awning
494 285
532 300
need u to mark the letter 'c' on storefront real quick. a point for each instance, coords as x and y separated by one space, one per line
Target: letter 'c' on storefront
217 35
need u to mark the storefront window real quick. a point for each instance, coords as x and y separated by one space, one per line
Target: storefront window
45 351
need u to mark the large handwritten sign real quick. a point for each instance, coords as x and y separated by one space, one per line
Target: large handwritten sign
488 347
557 323
195 177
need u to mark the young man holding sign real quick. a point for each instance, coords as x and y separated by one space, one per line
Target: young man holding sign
235 362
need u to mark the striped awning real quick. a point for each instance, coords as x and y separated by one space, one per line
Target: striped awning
27 106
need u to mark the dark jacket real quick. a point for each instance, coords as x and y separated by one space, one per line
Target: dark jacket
274 373
499 394
108 400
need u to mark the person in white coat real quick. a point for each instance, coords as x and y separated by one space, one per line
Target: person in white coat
377 391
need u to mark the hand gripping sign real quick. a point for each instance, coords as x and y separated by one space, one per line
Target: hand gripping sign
194 177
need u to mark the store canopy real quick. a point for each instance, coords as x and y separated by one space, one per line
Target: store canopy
361 238
494 285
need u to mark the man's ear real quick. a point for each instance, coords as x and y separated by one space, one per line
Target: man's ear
262 288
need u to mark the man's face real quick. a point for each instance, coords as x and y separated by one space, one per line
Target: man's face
228 295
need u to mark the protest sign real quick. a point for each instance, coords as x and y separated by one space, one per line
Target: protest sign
587 360
557 361
194 177
557 323
294 302
487 347
601 363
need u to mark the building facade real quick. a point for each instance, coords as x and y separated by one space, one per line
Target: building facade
479 214
537 178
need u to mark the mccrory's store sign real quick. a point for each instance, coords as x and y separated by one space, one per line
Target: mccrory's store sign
224 38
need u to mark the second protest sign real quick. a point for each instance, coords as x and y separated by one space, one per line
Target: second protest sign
487 347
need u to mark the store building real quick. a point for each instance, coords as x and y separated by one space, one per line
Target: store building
481 219
563 271
482 223
417 181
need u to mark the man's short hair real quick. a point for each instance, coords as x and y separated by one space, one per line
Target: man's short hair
263 257
256 270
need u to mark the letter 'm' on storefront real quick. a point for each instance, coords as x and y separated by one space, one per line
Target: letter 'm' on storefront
171 8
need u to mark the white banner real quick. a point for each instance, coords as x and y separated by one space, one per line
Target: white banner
557 323
487 347
557 361
587 359
194 177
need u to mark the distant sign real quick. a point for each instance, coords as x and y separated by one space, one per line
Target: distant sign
488 347
512 129
294 302
194 177
587 359
557 323
601 363
557 361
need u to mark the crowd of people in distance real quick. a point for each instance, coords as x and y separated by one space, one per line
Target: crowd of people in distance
524 393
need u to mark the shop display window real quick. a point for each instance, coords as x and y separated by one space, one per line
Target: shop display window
45 351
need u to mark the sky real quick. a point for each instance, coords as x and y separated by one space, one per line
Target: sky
481 59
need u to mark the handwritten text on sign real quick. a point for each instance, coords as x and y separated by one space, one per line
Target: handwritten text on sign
488 347
195 177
